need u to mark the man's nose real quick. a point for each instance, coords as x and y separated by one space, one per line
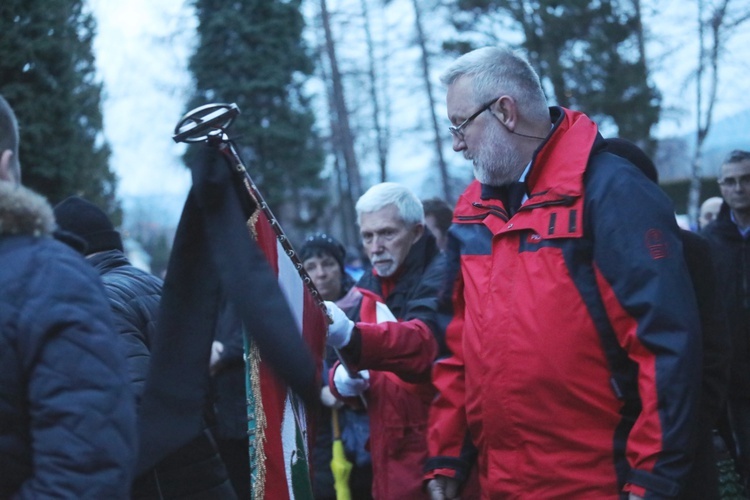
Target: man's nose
458 144
376 245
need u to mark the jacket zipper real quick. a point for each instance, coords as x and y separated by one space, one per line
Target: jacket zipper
501 213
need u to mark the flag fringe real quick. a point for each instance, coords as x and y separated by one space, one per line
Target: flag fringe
256 425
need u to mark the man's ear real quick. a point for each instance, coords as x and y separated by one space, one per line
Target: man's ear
505 110
6 167
418 231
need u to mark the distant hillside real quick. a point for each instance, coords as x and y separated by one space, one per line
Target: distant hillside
674 154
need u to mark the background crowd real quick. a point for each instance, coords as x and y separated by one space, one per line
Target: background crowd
554 334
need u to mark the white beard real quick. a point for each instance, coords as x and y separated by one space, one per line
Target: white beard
496 162
385 269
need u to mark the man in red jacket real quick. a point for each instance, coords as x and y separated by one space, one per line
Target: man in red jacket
395 338
575 349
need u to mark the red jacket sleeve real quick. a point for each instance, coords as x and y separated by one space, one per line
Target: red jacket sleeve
406 348
450 450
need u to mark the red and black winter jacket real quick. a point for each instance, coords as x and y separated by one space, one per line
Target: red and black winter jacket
575 348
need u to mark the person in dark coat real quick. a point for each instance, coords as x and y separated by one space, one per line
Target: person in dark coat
729 237
438 216
67 412
703 480
134 294
228 397
323 258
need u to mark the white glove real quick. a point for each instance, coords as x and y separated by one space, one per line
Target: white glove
350 387
443 488
340 331
328 399
216 349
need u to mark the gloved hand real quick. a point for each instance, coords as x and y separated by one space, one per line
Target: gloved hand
340 331
328 399
442 488
350 387
217 348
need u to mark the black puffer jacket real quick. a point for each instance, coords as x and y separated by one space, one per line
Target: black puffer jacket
134 297
195 470
67 413
731 256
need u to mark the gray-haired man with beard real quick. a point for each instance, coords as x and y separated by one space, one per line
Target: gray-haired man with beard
67 413
396 337
574 343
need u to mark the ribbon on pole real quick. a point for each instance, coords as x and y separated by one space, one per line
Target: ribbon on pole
279 431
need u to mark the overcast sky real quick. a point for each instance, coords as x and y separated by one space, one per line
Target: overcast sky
142 50
143 46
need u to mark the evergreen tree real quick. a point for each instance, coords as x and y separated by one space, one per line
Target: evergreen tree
251 53
589 53
47 73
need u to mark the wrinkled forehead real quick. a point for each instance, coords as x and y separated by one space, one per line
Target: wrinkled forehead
460 99
387 217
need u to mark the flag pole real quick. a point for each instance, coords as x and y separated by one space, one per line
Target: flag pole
208 124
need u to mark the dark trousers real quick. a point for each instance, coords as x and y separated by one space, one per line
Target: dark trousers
739 419
703 479
235 454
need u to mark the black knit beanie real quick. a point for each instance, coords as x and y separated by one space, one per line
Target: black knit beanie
88 222
319 244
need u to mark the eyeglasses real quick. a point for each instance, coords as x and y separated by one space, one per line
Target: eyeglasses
732 182
458 130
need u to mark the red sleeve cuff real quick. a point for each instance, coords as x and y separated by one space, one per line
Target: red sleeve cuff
635 489
439 472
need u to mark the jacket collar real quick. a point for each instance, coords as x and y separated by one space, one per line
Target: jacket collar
107 260
557 166
23 212
724 224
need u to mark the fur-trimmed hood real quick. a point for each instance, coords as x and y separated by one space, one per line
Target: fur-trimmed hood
22 211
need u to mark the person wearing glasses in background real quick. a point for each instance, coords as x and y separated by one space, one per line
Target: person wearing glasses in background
729 237
575 342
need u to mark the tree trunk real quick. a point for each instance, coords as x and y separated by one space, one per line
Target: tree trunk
342 134
707 62
445 178
381 132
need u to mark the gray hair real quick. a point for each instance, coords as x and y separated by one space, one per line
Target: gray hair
381 195
9 134
496 71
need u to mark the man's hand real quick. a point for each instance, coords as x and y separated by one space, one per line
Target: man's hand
329 399
340 330
443 488
350 387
